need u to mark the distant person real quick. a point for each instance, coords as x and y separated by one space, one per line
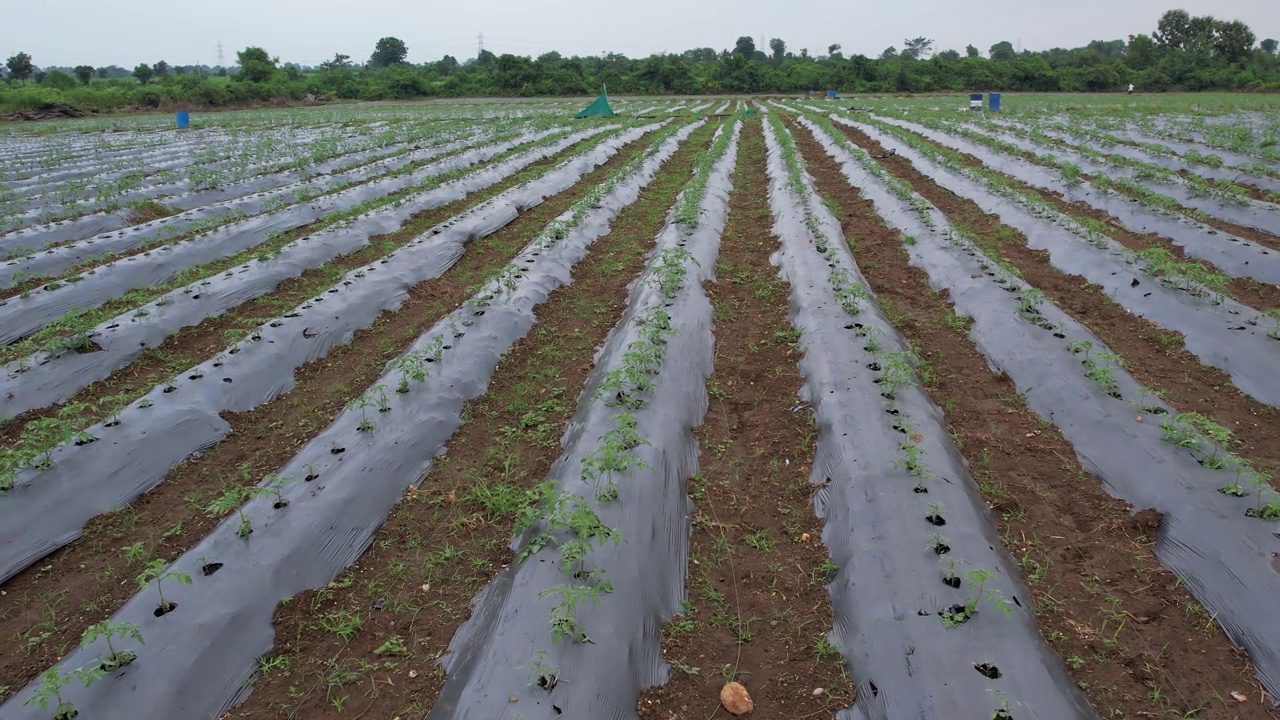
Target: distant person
1130 88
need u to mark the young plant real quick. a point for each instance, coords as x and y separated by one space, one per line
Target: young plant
233 499
49 692
276 483
545 674
934 514
960 614
364 402
108 629
156 570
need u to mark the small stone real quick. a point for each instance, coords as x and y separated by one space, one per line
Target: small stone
818 692
734 698
413 673
804 537
1239 697
513 698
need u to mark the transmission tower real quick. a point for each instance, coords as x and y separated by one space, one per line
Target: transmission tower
220 53
480 44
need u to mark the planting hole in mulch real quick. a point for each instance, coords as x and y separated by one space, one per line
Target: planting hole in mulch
988 670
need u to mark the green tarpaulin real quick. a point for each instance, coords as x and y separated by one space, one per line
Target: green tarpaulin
599 107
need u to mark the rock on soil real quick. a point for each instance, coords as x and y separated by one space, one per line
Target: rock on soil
735 699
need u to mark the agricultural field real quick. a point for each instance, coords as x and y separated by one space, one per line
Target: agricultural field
870 408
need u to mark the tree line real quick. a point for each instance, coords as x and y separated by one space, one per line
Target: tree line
1183 52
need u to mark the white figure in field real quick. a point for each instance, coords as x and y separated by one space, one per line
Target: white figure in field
1130 88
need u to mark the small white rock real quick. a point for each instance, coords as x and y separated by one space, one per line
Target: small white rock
817 692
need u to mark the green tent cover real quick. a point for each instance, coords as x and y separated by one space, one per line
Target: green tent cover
599 107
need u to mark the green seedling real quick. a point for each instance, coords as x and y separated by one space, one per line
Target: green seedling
157 571
545 674
960 614
233 499
108 629
276 484
49 692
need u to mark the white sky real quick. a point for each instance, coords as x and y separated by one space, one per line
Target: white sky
183 32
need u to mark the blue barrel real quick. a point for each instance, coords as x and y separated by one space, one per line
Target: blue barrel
831 94
993 102
184 119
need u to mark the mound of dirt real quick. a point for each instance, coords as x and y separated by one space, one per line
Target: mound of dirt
47 111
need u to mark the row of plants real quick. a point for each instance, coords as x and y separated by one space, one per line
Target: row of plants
1219 189
566 521
1072 174
1190 276
895 371
1190 157
34 447
74 327
94 194
1183 126
1203 437
359 171
410 368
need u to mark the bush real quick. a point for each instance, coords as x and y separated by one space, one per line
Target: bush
59 80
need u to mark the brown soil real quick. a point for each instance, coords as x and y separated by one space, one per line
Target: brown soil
758 605
1125 624
1154 356
1257 295
147 211
447 540
195 344
89 578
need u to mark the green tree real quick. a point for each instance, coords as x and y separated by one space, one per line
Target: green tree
388 51
971 51
339 61
917 48
1003 50
746 47
20 67
256 65
161 69
143 72
948 55
1269 46
1141 53
58 80
833 51
84 74
779 49
1173 29
1233 40
890 53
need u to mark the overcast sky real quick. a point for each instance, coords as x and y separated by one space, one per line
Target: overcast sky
74 32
